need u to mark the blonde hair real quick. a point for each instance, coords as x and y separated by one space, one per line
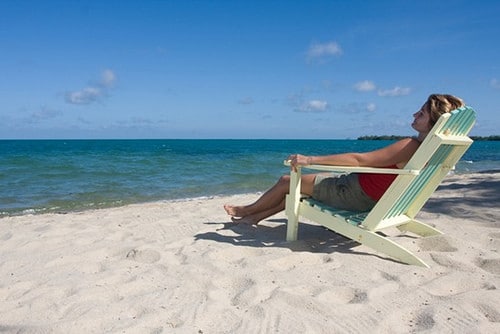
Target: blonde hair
438 104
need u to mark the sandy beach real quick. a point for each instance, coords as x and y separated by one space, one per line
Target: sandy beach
182 267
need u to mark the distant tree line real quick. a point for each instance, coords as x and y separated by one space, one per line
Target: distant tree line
386 137
488 138
392 137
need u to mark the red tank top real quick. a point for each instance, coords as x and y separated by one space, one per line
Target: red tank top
375 185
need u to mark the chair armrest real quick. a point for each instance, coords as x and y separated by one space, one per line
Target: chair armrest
351 169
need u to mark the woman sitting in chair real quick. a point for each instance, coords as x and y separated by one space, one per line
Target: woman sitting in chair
354 191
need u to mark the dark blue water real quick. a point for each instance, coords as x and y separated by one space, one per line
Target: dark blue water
57 176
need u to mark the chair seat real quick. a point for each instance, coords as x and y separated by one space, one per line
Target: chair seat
352 217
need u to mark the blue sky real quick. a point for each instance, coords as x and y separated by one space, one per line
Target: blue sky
241 69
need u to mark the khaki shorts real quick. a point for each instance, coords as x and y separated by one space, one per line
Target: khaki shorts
341 192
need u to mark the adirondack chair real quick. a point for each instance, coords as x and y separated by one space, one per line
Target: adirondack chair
437 155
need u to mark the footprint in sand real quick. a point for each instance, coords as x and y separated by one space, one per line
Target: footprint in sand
437 244
6 236
490 265
488 286
344 295
244 291
386 276
143 256
295 260
447 261
423 321
494 235
359 297
490 312
452 284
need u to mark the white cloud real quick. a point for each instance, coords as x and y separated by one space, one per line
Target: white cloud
371 107
494 83
108 78
396 91
321 50
92 93
365 86
313 106
84 96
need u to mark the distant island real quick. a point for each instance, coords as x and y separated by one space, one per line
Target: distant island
392 137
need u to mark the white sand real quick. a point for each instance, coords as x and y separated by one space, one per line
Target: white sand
183 268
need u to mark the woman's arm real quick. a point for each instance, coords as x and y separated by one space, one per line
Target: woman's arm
399 152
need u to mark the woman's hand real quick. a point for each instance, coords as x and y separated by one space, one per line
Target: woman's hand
298 160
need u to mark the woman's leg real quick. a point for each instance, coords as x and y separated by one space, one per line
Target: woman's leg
271 202
259 216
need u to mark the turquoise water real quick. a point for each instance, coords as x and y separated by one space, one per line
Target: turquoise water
39 176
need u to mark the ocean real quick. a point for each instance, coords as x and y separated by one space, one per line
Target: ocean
39 176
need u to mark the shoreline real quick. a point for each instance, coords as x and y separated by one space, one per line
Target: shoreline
183 267
42 211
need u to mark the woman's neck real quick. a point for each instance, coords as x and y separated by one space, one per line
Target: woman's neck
421 136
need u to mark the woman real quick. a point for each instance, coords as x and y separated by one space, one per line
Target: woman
358 192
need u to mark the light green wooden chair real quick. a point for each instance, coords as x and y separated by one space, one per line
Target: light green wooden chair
436 156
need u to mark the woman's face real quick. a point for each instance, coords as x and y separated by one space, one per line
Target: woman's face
421 121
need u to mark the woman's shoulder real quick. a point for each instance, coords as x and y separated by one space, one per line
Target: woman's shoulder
405 147
406 143
409 140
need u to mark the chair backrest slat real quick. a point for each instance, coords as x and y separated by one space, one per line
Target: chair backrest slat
434 159
420 182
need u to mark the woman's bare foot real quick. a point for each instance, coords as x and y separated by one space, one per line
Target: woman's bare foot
235 211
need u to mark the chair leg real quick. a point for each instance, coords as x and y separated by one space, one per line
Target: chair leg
292 226
292 205
389 247
419 228
363 236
